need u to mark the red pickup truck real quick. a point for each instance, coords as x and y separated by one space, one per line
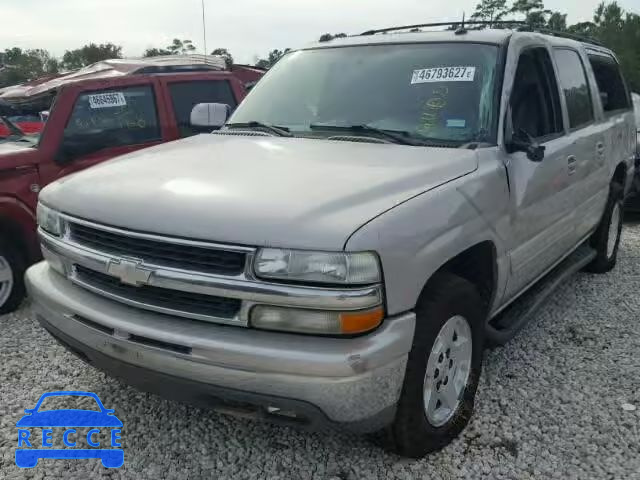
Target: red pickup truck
89 122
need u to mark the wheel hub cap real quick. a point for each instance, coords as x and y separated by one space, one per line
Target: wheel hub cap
448 368
6 280
614 225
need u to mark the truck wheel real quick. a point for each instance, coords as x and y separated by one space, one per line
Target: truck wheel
606 238
443 368
12 267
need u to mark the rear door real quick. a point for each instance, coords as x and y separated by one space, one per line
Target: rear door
111 121
183 93
587 162
617 110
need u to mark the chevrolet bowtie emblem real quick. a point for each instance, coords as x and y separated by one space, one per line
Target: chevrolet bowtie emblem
129 271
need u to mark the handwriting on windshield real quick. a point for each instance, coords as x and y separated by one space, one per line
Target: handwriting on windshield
432 109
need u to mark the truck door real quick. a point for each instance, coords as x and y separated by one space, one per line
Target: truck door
542 216
616 134
185 93
586 164
109 122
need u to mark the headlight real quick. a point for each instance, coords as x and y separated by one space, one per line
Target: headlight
49 220
322 267
321 322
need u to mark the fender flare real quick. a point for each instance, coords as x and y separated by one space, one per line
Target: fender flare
18 222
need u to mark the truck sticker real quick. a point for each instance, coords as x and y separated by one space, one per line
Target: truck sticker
444 74
107 100
456 123
432 108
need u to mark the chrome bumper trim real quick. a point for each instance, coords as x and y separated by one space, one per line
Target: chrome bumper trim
251 291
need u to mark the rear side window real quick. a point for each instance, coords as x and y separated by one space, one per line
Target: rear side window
112 118
613 91
573 81
186 95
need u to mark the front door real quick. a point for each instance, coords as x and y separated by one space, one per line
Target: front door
542 210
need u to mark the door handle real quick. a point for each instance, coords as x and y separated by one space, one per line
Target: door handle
572 162
600 148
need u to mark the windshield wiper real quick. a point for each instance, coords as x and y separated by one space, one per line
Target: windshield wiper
397 136
280 131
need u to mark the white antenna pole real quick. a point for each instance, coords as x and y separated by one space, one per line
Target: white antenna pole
204 32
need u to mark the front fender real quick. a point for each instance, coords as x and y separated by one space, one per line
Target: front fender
18 220
415 239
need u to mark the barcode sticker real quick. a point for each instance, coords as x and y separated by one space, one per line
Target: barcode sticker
444 74
107 100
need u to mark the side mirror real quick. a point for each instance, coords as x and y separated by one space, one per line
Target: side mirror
212 115
604 99
521 141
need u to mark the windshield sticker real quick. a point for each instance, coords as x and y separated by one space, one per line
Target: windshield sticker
107 100
432 108
456 123
444 74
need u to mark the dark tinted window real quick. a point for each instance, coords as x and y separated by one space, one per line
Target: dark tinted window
535 102
111 118
613 91
573 80
186 95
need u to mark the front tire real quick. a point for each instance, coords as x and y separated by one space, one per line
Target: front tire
12 268
606 238
443 368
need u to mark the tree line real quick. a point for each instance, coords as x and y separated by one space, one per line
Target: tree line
611 25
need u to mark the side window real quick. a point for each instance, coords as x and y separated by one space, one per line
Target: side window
111 118
186 95
573 80
535 102
613 91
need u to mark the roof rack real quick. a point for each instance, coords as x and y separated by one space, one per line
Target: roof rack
556 33
460 23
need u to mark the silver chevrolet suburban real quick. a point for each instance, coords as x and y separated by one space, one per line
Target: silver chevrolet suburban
378 210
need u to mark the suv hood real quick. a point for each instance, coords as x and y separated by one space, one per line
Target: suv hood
256 191
9 147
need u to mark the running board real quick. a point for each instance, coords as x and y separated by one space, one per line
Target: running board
508 323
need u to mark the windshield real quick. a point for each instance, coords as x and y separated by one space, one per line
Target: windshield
440 91
11 131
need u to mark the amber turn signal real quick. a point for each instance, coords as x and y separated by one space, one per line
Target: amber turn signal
359 322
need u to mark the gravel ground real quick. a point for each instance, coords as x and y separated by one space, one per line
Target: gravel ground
557 402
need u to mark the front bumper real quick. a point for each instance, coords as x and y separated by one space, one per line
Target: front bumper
308 380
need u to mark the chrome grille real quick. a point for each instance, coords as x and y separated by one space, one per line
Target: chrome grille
173 301
157 252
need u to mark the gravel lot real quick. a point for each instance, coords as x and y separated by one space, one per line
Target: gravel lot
557 402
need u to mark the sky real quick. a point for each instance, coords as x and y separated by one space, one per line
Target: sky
247 28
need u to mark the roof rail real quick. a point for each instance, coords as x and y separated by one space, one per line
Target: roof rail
556 33
462 23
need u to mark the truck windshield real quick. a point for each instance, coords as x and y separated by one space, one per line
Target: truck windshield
438 92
